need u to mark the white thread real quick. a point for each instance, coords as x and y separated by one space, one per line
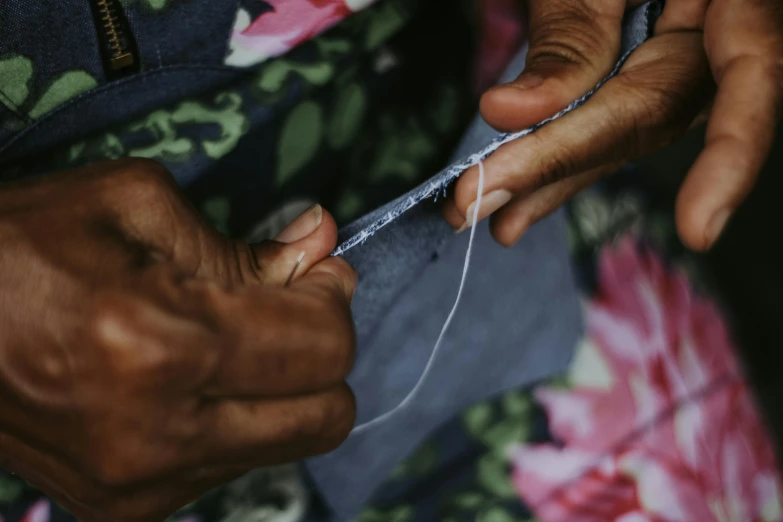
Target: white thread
422 379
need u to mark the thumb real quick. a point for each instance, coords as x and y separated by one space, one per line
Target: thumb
308 239
169 227
573 45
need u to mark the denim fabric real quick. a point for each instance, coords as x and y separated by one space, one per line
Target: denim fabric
518 322
26 32
200 37
30 28
502 337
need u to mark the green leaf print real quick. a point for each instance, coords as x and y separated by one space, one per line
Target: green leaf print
228 116
496 514
272 77
11 489
384 21
67 86
348 206
217 212
163 134
516 404
156 5
505 433
329 46
477 418
168 145
407 147
446 109
98 148
397 514
493 476
167 126
420 463
500 429
112 147
469 501
299 140
152 5
15 75
347 116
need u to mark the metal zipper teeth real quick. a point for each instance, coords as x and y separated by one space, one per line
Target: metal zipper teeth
120 55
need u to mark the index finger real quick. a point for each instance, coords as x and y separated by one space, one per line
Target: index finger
652 100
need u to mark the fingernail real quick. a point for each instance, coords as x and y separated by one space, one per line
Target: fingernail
716 226
304 225
489 204
528 81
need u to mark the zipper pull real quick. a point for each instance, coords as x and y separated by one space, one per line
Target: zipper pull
118 45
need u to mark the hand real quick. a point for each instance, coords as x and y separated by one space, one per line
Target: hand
658 95
145 359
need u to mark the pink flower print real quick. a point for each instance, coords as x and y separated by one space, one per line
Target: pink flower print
658 424
39 512
290 23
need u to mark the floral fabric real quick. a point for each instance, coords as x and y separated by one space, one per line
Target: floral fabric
286 24
656 423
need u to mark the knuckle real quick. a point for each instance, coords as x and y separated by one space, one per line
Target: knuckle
336 335
336 339
659 110
131 351
341 281
117 510
558 163
152 510
144 183
567 35
134 515
110 465
560 166
146 171
247 264
507 233
342 270
341 343
317 429
338 420
348 272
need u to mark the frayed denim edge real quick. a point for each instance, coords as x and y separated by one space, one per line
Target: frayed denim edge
437 186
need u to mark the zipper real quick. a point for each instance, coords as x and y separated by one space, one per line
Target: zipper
118 46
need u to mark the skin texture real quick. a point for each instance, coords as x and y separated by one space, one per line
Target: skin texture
714 60
145 358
